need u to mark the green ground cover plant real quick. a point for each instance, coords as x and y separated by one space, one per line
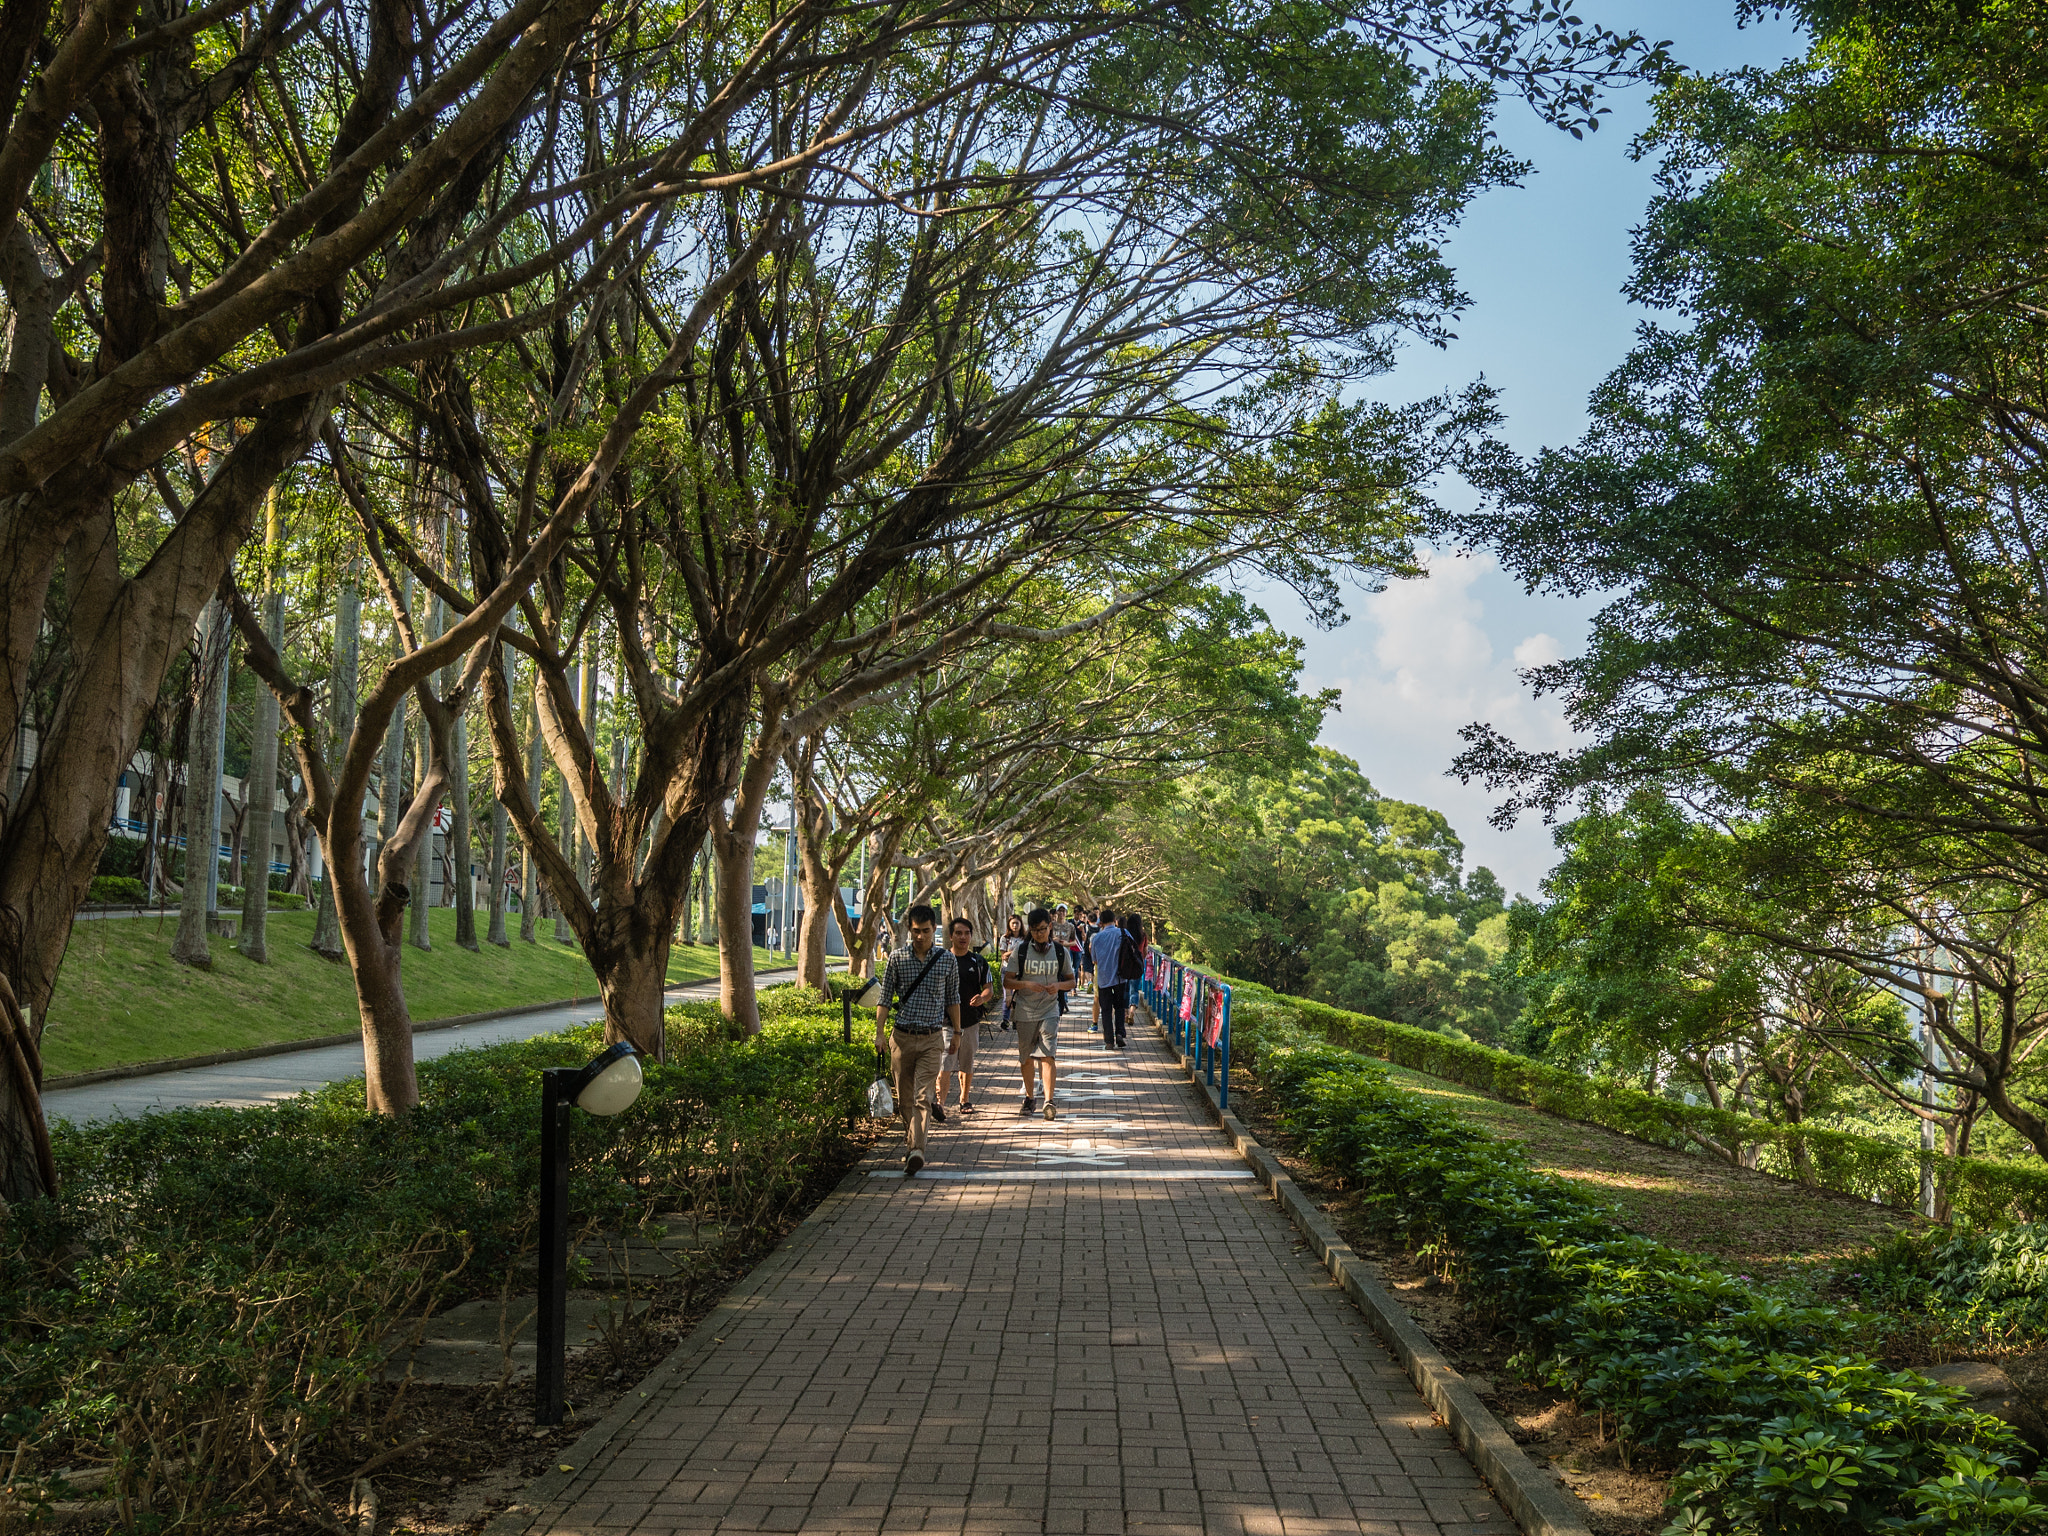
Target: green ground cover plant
121 998
1972 1189
1775 1420
204 1309
1960 1291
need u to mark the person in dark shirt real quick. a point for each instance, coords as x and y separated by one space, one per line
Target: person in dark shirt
977 990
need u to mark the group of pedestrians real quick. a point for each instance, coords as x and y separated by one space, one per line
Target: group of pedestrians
933 1001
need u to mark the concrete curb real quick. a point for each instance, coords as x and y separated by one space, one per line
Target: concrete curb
320 1042
1540 1506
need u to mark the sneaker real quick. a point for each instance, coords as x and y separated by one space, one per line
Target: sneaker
939 1112
912 1163
1050 1112
1027 1105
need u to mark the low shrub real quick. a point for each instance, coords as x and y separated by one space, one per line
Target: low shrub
1973 1189
115 891
1776 1421
206 1302
1960 1290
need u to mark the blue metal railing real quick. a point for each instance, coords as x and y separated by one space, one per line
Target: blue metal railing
1195 1008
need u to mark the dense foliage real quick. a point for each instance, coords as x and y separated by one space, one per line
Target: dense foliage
1813 501
1315 883
210 1296
1776 1420
1867 1167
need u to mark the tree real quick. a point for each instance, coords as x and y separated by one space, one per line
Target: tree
1316 884
1819 496
247 214
1646 963
376 143
933 397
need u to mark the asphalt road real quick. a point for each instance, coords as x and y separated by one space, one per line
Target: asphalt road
270 1078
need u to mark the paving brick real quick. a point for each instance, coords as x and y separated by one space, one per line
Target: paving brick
1047 1355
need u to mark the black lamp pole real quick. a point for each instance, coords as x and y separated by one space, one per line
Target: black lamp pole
551 1325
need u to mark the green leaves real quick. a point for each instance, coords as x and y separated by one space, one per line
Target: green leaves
1778 1424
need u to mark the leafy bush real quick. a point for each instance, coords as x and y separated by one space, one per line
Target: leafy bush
1963 1289
1975 1189
122 855
1781 1425
115 890
207 1300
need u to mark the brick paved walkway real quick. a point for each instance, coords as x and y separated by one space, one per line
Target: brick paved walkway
1095 1325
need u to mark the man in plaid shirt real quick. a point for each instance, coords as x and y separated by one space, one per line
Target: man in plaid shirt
921 987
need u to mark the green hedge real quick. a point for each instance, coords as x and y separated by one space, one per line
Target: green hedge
115 890
205 1304
1974 1189
1778 1424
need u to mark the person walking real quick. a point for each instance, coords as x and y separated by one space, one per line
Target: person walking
1037 975
977 987
1013 935
921 988
1112 996
1063 935
1084 936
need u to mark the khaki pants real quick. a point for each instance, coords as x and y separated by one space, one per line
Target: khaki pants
916 1059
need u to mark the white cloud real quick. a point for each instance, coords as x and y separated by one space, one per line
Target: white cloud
1419 662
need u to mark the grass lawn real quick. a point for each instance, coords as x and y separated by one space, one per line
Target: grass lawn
121 998
1752 1223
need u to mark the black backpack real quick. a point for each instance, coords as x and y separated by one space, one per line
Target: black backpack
1130 965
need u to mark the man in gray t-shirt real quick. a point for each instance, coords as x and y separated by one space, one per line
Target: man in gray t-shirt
1035 974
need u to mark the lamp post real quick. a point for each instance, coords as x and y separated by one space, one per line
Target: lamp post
607 1085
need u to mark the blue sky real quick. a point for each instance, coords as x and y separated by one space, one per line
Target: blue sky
1543 264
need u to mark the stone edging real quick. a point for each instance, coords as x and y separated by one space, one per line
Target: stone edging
319 1042
1540 1506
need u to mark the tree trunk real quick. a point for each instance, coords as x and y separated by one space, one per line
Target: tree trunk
422 874
260 790
390 791
733 838
459 846
152 830
565 811
735 906
500 846
234 817
202 791
815 878
341 721
707 929
529 866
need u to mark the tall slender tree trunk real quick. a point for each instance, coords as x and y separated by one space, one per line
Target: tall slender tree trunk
422 936
733 838
735 907
529 866
818 882
707 931
459 844
565 810
500 849
202 797
260 789
343 683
